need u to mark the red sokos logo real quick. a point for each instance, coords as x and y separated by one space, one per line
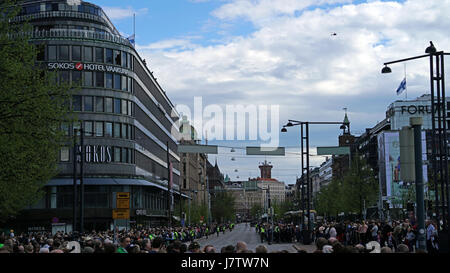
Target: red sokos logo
79 66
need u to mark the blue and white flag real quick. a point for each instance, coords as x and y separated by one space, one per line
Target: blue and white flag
402 87
132 39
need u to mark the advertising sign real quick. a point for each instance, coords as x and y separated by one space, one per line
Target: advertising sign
392 186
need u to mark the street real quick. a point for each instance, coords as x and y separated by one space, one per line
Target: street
250 237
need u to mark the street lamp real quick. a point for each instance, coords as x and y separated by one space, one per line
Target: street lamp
305 167
439 139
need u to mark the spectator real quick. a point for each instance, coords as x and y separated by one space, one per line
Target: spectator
385 249
241 247
209 249
194 247
261 249
402 248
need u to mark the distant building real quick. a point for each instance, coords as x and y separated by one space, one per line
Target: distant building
274 188
290 192
326 172
247 195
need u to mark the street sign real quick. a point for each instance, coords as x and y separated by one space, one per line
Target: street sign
275 151
123 200
333 150
121 214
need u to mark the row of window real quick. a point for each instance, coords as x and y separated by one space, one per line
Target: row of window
102 105
36 8
68 27
102 129
97 79
89 54
119 155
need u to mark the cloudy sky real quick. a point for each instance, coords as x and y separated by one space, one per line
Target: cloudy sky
282 53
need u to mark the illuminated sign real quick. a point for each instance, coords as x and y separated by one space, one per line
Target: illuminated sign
87 67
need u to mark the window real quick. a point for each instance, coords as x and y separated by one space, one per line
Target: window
87 78
89 128
76 53
109 56
52 53
124 107
65 128
108 129
130 104
76 103
109 80
109 105
117 105
88 104
124 131
65 154
129 60
99 55
124 83
130 130
99 128
116 154
77 126
124 59
117 130
63 53
99 104
76 78
117 57
124 155
88 54
64 76
117 81
130 85
99 79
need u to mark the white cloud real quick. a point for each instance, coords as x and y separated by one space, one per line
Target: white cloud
292 60
118 13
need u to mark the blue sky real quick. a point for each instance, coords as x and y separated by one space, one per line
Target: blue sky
281 52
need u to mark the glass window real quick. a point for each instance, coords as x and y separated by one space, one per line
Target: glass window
63 53
109 105
130 130
109 80
124 59
88 54
76 103
88 104
99 128
65 154
130 104
117 130
124 83
124 131
89 128
76 53
65 128
109 56
130 85
76 78
117 105
117 81
124 107
124 155
99 104
129 60
77 126
87 78
108 129
52 53
99 79
64 76
116 154
99 55
117 57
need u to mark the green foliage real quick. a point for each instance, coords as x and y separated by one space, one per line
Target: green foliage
222 207
31 110
256 210
281 208
349 193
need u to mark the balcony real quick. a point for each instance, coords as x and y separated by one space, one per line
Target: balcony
76 34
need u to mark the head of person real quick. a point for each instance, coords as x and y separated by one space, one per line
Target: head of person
110 248
385 249
229 249
29 248
44 250
125 241
209 249
194 247
241 247
157 243
321 242
261 249
402 248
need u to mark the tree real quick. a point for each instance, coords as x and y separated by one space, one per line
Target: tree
222 207
32 107
256 210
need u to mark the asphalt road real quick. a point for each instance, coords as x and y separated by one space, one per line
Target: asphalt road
250 237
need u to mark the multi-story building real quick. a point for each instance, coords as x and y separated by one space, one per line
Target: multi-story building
126 116
326 172
247 195
274 189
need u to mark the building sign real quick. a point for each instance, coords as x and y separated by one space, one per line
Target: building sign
88 67
96 154
141 212
123 200
121 214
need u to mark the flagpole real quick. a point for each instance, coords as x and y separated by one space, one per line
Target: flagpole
134 27
406 86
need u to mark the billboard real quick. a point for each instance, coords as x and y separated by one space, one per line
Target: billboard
393 188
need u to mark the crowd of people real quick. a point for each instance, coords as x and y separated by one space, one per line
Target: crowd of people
332 237
122 241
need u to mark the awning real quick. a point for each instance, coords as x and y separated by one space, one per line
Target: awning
108 181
